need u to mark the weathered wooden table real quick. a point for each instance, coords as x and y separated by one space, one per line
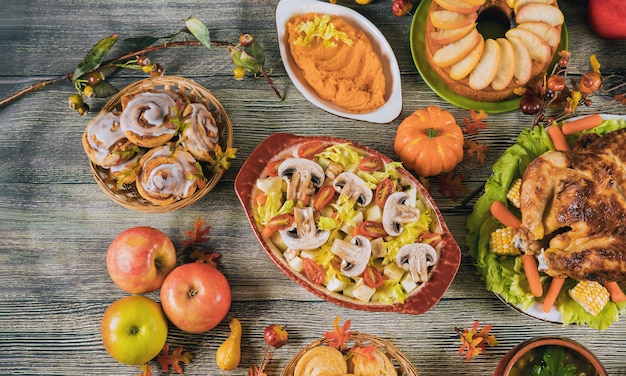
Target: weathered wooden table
56 224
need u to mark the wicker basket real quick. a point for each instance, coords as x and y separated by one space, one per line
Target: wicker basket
403 365
127 195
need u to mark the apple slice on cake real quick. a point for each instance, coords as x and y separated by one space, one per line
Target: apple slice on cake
447 19
538 48
506 67
486 69
538 12
455 52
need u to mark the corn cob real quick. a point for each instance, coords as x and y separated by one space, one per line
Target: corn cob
513 193
591 295
502 242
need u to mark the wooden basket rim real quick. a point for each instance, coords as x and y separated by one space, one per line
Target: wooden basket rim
190 89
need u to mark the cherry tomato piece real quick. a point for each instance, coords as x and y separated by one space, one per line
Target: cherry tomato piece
372 277
371 229
313 271
272 168
279 222
384 189
371 163
310 149
323 197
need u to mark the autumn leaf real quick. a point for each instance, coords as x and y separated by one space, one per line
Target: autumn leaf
476 149
338 337
145 369
366 351
475 122
173 360
205 257
199 234
474 341
450 185
254 371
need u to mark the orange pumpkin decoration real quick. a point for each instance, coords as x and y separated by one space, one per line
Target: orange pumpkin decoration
429 141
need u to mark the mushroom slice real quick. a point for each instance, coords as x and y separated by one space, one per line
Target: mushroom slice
397 212
416 258
302 175
354 187
304 233
355 254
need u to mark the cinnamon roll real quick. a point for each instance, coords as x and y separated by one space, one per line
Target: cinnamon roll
167 173
105 143
126 172
146 117
200 134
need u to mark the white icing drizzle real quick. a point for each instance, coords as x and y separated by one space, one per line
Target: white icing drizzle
201 134
102 134
147 114
170 178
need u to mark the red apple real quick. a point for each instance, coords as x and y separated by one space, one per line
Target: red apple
133 329
606 18
195 297
139 259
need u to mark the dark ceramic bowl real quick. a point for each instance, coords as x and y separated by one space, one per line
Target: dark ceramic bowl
577 352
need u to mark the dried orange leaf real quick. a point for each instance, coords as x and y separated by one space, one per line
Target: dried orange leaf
172 361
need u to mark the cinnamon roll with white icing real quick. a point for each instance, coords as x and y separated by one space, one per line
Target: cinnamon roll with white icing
105 143
146 117
126 172
167 173
200 134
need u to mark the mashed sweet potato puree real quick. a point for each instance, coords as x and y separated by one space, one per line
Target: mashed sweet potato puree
337 61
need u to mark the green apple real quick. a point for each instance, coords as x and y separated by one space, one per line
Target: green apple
134 329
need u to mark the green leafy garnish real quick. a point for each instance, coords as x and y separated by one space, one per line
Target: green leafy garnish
554 363
320 28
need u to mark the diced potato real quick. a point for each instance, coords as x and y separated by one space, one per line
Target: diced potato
308 253
378 248
412 193
408 284
374 213
335 284
362 291
270 184
393 271
358 219
296 264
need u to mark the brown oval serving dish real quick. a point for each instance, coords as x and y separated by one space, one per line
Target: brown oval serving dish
418 260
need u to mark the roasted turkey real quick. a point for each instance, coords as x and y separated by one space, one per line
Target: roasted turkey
573 207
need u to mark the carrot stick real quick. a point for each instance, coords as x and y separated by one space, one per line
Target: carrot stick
552 294
582 124
532 274
503 215
558 138
617 295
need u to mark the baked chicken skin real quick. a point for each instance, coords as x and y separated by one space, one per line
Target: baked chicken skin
573 207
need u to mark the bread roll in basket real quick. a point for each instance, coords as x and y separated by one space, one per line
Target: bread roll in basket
400 364
192 100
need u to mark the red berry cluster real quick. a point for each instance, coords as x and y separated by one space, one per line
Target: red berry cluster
560 92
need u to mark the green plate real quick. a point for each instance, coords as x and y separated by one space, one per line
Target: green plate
418 29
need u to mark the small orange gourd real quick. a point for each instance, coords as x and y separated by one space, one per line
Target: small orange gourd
429 141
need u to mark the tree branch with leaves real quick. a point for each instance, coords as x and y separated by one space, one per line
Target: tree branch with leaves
90 76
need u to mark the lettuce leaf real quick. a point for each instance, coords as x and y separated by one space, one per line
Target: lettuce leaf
503 275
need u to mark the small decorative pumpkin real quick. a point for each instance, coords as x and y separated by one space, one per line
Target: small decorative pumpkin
429 141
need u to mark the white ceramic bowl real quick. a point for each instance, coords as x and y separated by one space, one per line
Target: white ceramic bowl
286 9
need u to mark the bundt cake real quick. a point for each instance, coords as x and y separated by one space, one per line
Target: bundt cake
485 49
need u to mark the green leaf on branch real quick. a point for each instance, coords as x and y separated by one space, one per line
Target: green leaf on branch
255 50
243 59
104 90
95 56
197 28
